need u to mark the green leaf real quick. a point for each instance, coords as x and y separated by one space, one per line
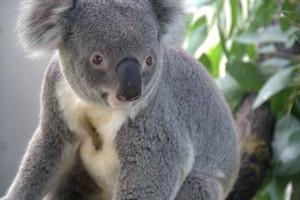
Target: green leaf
246 74
267 49
272 34
285 24
290 156
229 87
272 65
262 196
286 146
279 102
235 10
296 184
296 107
292 149
276 189
288 5
205 60
219 6
197 35
223 40
293 16
252 52
262 14
279 81
297 35
215 55
238 50
285 127
231 90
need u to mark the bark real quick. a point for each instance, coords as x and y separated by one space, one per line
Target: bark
255 129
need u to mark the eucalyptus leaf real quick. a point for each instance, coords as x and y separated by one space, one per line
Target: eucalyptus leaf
296 107
252 52
215 55
246 74
235 9
289 158
229 87
269 35
292 150
288 5
272 65
267 49
205 60
238 50
285 24
262 14
286 127
231 90
198 34
262 196
279 102
296 184
295 17
279 81
275 190
296 36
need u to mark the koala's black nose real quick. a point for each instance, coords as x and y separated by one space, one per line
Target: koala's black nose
130 82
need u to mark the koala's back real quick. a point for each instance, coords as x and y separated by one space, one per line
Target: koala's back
202 115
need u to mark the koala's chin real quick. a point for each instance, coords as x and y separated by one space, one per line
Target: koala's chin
114 102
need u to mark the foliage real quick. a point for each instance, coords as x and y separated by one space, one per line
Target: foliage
244 45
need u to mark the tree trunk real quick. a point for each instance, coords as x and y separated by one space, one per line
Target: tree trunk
255 129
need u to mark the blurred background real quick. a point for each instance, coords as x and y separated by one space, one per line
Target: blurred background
20 82
250 47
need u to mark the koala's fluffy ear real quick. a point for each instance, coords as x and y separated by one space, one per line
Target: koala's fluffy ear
168 13
41 24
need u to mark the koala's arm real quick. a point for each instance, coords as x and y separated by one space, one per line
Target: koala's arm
150 160
49 152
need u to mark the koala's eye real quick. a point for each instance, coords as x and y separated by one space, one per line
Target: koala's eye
149 61
97 59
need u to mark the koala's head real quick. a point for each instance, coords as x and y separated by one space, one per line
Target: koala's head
109 49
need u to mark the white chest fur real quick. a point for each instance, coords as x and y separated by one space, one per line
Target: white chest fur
96 126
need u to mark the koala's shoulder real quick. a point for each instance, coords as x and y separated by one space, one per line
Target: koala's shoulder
181 56
192 87
186 72
53 71
182 64
52 77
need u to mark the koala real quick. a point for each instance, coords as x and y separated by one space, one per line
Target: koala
124 114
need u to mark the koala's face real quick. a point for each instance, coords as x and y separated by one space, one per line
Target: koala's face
109 52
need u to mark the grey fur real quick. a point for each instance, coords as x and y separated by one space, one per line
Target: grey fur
178 141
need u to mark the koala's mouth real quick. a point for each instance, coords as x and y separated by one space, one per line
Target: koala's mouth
113 101
129 84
